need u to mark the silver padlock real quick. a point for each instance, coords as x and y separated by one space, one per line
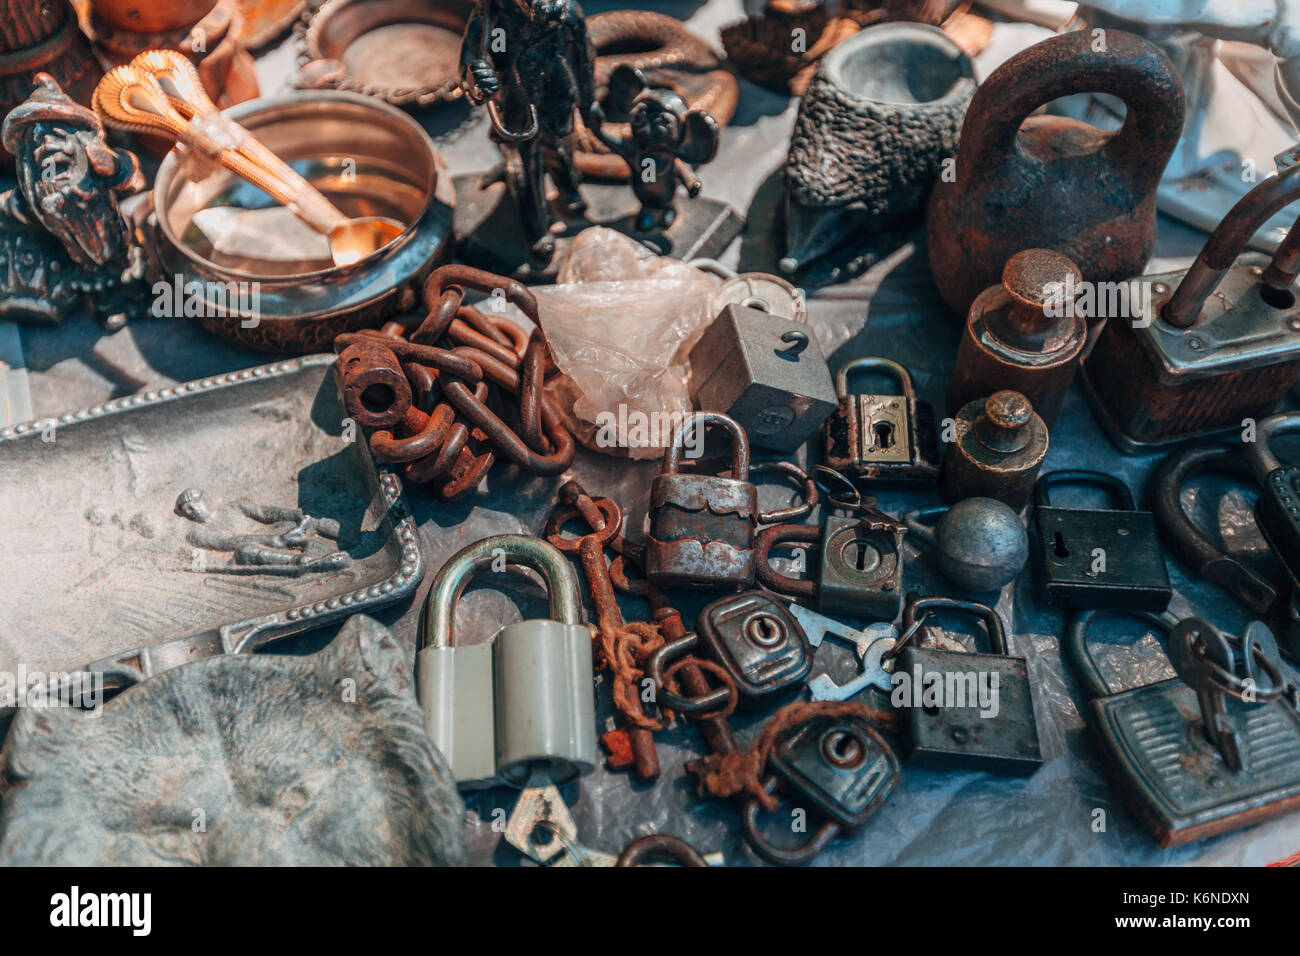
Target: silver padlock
518 704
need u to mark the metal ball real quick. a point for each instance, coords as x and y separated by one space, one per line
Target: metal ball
981 544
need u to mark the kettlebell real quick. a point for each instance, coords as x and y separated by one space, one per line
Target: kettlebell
1051 182
979 544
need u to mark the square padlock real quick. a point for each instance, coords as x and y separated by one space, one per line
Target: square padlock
842 766
759 644
1098 558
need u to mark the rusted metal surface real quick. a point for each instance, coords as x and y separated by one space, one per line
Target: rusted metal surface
634 744
1052 182
1213 346
882 437
702 526
670 56
1017 337
438 422
999 447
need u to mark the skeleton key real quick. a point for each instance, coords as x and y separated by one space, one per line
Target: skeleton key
875 645
605 519
1192 645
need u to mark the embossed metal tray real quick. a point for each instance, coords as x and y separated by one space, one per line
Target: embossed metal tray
104 565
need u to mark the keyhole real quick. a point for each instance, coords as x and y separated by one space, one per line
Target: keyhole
1058 546
884 432
764 630
864 551
842 749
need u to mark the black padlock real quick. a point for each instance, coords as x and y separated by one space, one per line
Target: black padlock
758 643
964 711
1277 511
840 767
1155 742
1094 558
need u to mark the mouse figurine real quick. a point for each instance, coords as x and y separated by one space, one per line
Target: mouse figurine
668 139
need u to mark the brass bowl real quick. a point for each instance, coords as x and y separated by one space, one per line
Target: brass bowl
370 160
406 52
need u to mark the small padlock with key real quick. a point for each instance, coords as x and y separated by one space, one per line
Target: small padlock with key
1094 558
965 711
882 437
767 372
702 527
860 567
518 705
1205 752
756 641
840 766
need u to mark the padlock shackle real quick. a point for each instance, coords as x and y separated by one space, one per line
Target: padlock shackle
1229 240
770 577
561 579
874 363
917 609
1120 494
917 521
1188 543
1260 453
807 489
739 442
1076 646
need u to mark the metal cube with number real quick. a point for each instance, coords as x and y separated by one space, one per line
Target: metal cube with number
765 371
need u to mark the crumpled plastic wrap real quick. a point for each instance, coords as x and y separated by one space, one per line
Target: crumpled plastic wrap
620 322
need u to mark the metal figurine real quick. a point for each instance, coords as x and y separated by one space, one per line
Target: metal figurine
62 235
668 139
533 64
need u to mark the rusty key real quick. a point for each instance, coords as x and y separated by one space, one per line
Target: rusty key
605 518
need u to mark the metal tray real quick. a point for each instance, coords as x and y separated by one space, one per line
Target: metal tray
100 566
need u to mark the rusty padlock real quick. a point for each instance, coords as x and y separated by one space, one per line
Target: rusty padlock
882 437
1023 334
1050 182
998 447
1209 347
702 526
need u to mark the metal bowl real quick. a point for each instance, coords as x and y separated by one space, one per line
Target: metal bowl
370 160
402 51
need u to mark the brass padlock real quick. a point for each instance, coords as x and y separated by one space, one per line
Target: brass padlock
522 703
702 526
1210 346
882 437
767 372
